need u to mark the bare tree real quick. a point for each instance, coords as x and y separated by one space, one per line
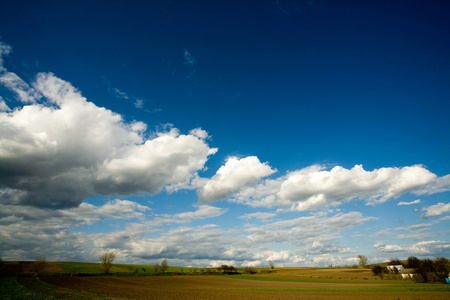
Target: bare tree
164 265
363 260
107 260
39 265
271 264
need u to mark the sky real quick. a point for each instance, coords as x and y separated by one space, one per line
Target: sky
304 133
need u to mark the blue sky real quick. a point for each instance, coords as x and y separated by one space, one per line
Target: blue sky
210 132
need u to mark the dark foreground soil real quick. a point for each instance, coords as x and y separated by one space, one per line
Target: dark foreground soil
219 287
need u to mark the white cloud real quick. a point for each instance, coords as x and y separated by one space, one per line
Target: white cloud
24 92
434 248
307 230
168 159
410 203
435 210
235 174
3 105
119 94
189 60
57 153
386 231
200 133
202 212
4 50
258 215
52 233
440 185
315 187
139 103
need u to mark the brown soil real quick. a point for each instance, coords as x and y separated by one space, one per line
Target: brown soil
218 287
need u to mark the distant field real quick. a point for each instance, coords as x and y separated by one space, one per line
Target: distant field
284 283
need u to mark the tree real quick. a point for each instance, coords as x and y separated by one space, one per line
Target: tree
39 265
164 265
378 270
107 260
413 262
223 268
395 262
425 271
227 269
441 268
271 264
363 260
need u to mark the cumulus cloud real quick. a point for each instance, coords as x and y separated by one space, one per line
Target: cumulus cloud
63 149
235 174
435 210
315 187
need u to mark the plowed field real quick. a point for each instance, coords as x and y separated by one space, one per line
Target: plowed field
220 287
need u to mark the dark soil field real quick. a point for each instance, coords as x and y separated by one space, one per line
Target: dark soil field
59 281
238 287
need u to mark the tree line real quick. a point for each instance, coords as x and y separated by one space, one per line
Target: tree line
424 270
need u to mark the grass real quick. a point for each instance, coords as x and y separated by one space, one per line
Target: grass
96 268
11 289
79 267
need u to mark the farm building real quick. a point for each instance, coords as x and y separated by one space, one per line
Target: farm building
407 273
394 269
